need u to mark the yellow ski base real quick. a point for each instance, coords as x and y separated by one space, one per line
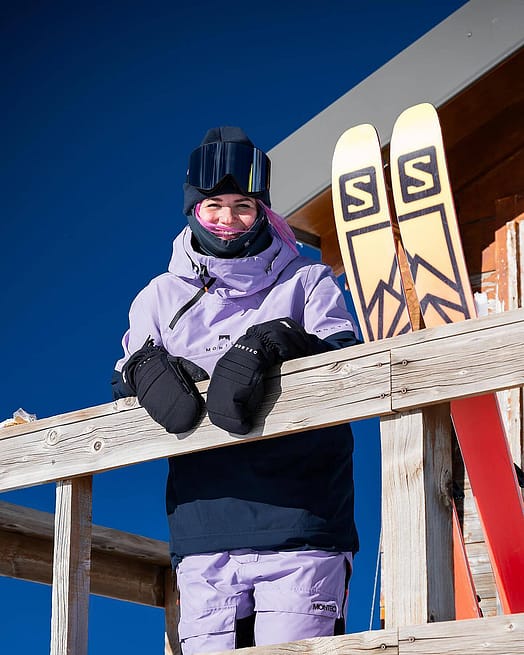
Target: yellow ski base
365 236
426 216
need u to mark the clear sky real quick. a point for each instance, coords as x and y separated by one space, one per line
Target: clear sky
101 104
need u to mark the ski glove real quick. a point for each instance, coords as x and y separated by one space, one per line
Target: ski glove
165 387
236 388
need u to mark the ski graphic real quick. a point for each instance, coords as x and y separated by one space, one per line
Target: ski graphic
431 239
368 249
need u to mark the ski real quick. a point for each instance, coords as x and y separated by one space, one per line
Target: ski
364 229
372 268
430 237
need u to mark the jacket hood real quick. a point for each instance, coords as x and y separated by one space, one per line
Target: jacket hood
234 277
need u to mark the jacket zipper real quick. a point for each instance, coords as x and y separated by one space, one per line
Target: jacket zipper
192 301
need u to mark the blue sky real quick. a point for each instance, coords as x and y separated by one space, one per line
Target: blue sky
102 103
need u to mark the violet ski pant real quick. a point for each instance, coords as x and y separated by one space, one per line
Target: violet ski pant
244 598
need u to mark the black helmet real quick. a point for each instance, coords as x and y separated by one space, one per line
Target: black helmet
226 162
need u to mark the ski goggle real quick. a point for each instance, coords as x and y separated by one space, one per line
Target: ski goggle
211 163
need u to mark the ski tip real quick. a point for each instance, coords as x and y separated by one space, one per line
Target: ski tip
362 128
422 109
422 118
357 133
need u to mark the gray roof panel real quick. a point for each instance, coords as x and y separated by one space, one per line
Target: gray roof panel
433 69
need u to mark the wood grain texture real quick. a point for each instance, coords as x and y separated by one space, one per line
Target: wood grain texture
425 367
417 571
498 635
123 565
370 643
172 615
71 567
462 364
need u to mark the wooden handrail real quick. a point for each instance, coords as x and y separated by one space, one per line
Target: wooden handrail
378 379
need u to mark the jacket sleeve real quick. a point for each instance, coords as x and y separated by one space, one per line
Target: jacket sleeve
325 310
143 325
119 388
342 340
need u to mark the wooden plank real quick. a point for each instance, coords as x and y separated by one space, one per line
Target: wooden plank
35 523
468 112
327 389
477 200
459 366
30 558
466 596
123 565
172 616
509 248
483 573
471 525
477 153
500 635
479 251
71 564
127 579
473 534
489 606
374 642
416 517
26 558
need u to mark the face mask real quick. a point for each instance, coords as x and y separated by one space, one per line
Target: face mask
249 242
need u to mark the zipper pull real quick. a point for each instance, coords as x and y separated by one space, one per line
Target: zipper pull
202 275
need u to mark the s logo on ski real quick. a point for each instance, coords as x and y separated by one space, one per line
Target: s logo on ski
358 193
418 173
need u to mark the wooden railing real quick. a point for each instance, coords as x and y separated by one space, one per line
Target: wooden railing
407 381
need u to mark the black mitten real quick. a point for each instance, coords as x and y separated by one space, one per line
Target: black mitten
165 387
236 389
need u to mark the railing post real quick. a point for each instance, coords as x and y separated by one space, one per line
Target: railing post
71 566
172 644
417 565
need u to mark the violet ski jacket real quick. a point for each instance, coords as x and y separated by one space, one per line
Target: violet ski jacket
290 493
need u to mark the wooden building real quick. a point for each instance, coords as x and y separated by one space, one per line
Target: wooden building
471 67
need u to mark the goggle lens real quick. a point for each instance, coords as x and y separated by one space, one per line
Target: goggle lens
211 163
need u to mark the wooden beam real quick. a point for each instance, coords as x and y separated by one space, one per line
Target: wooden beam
498 635
26 558
476 154
113 435
307 238
440 370
417 564
469 112
509 278
376 642
123 565
172 644
426 367
71 567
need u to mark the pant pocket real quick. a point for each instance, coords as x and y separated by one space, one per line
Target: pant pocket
295 617
206 622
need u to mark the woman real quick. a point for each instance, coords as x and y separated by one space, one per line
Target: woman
262 534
